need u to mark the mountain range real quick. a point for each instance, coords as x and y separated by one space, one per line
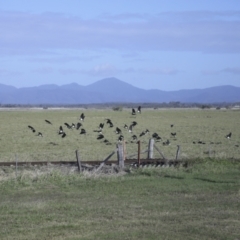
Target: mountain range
112 90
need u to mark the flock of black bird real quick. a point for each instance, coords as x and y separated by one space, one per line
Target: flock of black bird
79 126
118 131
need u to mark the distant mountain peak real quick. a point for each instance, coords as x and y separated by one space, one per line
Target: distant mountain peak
115 91
111 84
73 86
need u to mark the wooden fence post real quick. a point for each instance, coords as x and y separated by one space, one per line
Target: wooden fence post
124 150
78 162
139 151
120 155
150 148
178 152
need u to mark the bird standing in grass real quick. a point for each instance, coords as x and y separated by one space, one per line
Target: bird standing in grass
118 130
101 125
82 117
228 136
39 134
173 134
78 125
120 138
139 109
60 131
83 131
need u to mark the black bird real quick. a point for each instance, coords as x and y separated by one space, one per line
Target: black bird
107 142
73 125
47 121
171 125
125 126
120 138
130 128
100 136
39 134
142 134
78 125
156 136
173 134
101 125
64 135
109 122
134 137
166 143
98 131
68 126
139 109
83 131
134 123
33 130
133 111
228 136
118 130
60 130
82 117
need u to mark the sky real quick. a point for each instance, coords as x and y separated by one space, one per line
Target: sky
154 44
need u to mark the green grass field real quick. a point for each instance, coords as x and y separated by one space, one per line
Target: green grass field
200 202
17 142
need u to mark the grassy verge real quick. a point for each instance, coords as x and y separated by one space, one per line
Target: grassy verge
200 202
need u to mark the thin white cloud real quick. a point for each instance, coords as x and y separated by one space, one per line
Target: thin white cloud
7 73
210 72
161 71
70 71
230 70
98 70
43 70
25 33
103 70
130 55
62 59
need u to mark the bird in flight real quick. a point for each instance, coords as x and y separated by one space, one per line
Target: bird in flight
47 121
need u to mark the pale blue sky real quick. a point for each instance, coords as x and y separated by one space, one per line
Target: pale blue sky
154 44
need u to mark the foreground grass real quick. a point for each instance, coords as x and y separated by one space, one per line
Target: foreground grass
200 202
